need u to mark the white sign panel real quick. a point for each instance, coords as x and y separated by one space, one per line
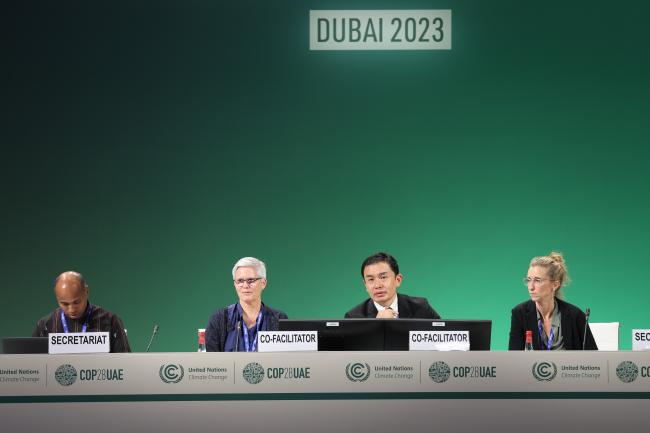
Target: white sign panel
439 340
380 29
641 339
78 342
287 341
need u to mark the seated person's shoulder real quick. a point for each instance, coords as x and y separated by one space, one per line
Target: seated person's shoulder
278 313
219 314
358 311
419 300
522 307
569 308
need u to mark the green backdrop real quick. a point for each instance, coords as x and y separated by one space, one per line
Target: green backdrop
149 145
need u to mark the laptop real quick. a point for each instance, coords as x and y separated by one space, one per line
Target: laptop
18 345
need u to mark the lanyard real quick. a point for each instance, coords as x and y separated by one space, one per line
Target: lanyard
84 326
550 337
251 346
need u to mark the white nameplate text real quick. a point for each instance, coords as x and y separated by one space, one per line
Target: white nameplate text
641 339
78 342
439 340
287 341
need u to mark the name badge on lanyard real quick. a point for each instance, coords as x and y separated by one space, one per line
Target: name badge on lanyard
251 346
84 327
550 337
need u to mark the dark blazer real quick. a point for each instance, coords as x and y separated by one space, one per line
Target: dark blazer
409 307
219 326
524 318
101 321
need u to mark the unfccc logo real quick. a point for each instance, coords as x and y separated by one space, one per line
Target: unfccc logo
171 373
544 371
357 372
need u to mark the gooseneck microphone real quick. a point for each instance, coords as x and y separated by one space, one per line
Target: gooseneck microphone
584 337
237 338
153 334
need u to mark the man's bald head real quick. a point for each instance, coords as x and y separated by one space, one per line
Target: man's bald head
71 276
71 293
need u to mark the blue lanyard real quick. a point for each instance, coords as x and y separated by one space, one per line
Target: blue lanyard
83 327
541 333
251 346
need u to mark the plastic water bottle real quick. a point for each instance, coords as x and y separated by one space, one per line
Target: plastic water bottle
201 340
529 341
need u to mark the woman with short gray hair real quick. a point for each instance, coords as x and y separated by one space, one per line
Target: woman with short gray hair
235 328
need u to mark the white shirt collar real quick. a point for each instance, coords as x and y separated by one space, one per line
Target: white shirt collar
393 306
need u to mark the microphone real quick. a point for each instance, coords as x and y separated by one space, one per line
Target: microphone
584 337
237 339
153 334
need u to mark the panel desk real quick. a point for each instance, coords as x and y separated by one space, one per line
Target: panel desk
326 391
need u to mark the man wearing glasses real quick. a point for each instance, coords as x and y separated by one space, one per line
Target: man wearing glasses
380 273
235 327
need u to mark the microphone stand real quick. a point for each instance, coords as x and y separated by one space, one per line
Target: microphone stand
584 337
237 338
153 334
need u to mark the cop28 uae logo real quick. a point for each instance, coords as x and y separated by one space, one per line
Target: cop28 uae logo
357 372
439 372
171 373
544 371
253 373
66 375
627 371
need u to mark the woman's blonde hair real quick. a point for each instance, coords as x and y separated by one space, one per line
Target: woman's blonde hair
557 270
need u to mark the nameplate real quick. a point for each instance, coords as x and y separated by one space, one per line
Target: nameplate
78 342
439 340
287 341
641 339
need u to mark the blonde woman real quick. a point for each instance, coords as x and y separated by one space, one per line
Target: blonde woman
554 323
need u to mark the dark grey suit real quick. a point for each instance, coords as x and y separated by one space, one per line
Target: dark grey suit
409 307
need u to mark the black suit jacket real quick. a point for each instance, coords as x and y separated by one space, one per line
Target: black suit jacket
524 318
409 307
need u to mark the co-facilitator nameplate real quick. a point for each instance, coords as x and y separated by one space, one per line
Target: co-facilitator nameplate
439 340
287 341
423 29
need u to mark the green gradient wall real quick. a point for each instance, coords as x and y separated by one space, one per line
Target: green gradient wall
149 145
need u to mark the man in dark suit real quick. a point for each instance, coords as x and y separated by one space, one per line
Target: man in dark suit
381 277
77 314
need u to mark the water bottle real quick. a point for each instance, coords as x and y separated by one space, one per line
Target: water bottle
201 340
529 341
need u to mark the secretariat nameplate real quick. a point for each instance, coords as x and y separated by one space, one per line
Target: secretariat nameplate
78 342
380 29
641 339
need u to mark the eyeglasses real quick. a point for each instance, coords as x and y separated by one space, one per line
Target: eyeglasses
383 278
248 281
536 280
